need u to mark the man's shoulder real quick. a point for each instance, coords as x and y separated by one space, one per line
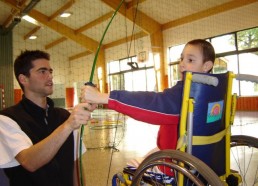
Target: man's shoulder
10 109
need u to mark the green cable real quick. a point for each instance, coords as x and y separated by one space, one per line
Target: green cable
90 83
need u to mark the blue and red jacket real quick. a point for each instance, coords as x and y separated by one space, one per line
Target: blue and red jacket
162 108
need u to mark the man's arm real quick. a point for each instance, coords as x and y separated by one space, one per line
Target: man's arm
41 153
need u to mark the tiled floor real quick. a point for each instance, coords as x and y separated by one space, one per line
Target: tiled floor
131 139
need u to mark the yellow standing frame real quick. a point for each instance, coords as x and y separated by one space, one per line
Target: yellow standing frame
188 105
183 116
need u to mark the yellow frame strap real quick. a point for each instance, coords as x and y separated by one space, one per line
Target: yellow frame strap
205 140
202 140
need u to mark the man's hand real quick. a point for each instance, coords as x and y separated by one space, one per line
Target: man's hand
81 114
41 153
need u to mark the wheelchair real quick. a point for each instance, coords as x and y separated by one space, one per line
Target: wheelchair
207 154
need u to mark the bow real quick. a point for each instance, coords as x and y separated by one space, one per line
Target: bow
91 84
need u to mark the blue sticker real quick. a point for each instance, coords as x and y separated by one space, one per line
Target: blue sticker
214 111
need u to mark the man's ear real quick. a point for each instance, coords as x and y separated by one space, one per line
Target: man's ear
22 79
207 66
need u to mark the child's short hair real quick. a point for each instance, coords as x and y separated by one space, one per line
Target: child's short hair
206 48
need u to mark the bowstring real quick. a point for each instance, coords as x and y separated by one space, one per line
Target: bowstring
90 81
116 126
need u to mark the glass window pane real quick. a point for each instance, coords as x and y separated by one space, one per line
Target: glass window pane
220 65
228 63
123 65
128 81
150 61
224 43
114 67
174 74
175 53
142 64
248 64
247 39
151 80
139 80
134 58
115 82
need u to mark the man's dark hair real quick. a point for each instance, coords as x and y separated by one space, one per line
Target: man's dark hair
23 63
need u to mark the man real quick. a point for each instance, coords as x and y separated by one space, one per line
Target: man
36 139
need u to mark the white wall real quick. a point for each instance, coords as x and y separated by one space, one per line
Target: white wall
230 21
121 51
66 73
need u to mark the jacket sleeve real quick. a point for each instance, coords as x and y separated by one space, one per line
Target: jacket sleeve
161 108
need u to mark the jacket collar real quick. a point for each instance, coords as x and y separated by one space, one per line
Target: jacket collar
34 109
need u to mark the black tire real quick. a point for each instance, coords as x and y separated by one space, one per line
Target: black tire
242 140
244 158
203 175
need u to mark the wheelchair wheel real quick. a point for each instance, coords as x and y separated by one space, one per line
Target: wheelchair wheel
173 163
244 158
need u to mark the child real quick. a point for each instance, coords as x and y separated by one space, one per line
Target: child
162 108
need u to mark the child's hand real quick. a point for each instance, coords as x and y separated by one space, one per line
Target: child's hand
91 94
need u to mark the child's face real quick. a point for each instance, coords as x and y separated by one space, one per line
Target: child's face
192 60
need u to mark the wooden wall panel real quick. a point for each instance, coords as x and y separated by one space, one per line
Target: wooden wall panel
69 97
17 95
247 104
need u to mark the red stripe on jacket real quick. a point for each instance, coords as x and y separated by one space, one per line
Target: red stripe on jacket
167 135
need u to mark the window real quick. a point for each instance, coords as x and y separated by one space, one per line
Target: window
224 43
123 64
129 74
174 58
248 64
175 53
236 52
227 63
247 39
114 67
174 73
